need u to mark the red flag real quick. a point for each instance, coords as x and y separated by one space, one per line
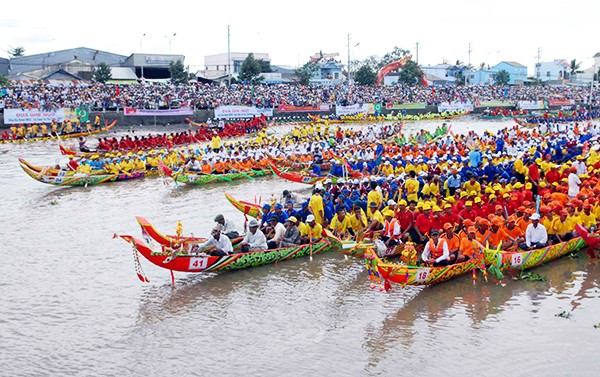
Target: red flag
165 169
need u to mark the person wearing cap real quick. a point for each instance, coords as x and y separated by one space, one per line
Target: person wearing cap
534 176
375 195
228 228
287 196
316 206
436 251
452 240
468 246
341 223
222 243
563 229
276 231
291 236
454 182
374 218
193 164
255 239
483 231
423 225
391 232
472 186
574 182
536 235
587 218
498 236
513 232
411 187
467 212
310 231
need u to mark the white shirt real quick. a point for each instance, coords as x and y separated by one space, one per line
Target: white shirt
581 168
228 227
535 234
445 255
279 232
256 240
574 183
223 244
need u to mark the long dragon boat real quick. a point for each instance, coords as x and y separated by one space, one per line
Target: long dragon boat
294 176
247 208
523 260
64 136
60 177
199 178
403 274
188 256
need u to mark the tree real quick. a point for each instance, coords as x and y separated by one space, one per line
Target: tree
365 76
502 78
460 78
265 66
15 52
179 75
392 56
574 67
410 74
102 73
250 70
4 82
305 73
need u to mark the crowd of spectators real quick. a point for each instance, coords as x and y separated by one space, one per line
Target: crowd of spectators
100 97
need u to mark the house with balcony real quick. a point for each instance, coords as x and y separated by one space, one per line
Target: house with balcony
329 70
555 72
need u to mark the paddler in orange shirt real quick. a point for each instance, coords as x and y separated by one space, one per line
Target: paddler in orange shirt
452 240
467 247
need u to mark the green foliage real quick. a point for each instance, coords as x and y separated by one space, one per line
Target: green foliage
502 78
179 75
4 82
460 78
102 73
365 76
392 56
305 73
265 66
411 74
250 70
531 276
15 52
574 67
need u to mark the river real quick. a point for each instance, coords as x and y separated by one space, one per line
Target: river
71 303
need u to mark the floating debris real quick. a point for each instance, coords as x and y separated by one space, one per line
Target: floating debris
564 314
531 276
54 202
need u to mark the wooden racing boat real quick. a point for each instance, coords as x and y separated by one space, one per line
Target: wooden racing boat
523 260
60 177
65 136
199 178
247 208
414 275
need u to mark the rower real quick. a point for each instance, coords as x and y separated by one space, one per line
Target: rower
310 231
254 240
221 242
536 235
291 236
436 251
228 228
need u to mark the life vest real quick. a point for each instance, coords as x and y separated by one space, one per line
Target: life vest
436 251
389 229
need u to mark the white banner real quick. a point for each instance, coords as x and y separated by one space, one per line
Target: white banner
531 105
455 106
228 112
352 109
28 116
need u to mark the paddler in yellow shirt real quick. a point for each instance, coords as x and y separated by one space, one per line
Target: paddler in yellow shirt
44 129
411 187
311 231
84 168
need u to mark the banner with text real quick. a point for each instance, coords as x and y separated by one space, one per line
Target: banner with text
405 106
228 112
28 116
455 106
128 111
494 104
561 102
291 108
352 109
531 105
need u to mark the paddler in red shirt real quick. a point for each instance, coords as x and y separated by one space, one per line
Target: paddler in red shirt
467 212
449 216
423 224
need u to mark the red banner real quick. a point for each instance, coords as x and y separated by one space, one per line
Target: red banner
291 108
561 102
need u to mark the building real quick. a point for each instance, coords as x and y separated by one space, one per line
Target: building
4 66
78 64
216 66
517 72
444 74
329 70
555 72
482 77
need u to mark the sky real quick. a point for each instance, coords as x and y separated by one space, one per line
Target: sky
511 30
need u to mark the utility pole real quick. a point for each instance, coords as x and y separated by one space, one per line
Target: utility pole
228 55
469 59
143 57
467 78
417 52
538 66
349 72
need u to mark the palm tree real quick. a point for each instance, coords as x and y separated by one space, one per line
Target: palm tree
574 67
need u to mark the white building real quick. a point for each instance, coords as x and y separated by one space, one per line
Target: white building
217 65
554 72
